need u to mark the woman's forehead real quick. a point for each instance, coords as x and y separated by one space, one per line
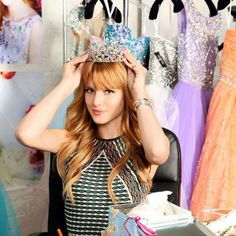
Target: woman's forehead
100 83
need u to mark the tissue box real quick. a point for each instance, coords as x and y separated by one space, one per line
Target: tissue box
179 216
154 215
180 223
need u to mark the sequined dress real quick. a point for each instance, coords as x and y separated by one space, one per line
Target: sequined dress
197 51
214 190
162 76
14 40
138 46
82 29
89 215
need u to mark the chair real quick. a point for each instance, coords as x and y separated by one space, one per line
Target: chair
168 175
56 216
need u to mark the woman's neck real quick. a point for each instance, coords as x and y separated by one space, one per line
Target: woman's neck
108 131
19 10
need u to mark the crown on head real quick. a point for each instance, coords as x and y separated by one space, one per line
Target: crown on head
110 48
100 50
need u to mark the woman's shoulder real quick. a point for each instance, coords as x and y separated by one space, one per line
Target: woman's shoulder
26 23
34 19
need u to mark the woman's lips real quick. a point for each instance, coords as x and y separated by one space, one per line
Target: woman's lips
97 112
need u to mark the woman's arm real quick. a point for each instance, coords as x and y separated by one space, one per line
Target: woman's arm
32 130
155 142
35 43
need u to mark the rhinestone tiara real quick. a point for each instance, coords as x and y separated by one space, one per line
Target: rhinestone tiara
100 50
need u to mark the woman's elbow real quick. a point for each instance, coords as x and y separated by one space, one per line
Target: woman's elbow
160 154
23 137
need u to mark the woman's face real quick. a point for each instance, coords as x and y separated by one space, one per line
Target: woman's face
7 2
105 106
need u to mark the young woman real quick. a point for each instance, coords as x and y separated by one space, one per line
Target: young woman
111 145
20 32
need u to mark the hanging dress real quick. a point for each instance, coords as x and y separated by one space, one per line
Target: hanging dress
162 76
8 222
215 190
122 34
29 197
197 51
14 40
82 28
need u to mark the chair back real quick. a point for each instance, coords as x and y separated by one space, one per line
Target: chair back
168 175
56 216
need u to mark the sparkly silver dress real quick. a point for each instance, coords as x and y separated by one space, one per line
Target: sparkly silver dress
162 76
197 53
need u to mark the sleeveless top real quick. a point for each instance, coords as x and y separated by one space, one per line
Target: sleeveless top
14 40
89 215
198 46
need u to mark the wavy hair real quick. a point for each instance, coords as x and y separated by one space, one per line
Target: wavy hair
34 4
78 148
3 12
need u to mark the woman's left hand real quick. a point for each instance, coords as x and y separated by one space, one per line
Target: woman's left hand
136 76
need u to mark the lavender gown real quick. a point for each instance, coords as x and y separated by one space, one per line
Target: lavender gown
198 39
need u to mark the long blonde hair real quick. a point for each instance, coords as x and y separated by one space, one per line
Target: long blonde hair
78 148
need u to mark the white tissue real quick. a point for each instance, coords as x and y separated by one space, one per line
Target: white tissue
153 207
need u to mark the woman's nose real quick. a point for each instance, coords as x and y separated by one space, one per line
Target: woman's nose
98 98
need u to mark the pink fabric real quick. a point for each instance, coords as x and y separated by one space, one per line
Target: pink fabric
144 228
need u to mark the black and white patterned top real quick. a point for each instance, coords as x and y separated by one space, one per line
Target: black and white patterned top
89 215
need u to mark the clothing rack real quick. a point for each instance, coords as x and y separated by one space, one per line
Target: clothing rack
125 12
137 3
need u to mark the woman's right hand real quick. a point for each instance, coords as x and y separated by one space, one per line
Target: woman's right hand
72 71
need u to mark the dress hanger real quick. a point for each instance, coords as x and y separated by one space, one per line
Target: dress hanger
139 4
89 9
222 4
212 8
178 6
155 9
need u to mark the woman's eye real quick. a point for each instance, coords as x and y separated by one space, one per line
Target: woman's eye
109 91
88 90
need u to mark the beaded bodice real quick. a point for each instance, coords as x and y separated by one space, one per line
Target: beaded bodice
14 40
228 63
162 62
198 46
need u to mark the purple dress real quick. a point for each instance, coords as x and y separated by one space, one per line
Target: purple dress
198 39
